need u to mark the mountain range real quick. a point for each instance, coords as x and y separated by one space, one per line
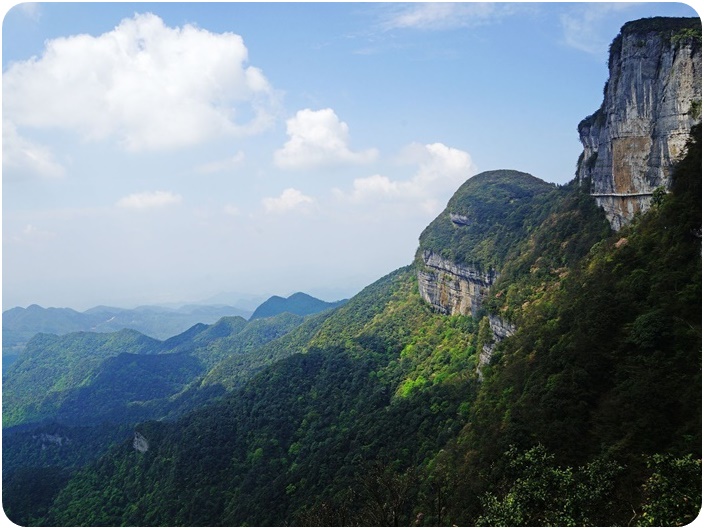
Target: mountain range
21 324
538 363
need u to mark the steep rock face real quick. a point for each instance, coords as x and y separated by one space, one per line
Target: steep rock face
452 288
651 100
500 329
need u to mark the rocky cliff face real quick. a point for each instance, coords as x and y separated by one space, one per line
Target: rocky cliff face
500 329
651 100
452 288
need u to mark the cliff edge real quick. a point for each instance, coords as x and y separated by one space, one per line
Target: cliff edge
652 99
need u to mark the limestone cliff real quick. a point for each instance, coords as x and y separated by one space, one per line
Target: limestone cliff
452 288
651 100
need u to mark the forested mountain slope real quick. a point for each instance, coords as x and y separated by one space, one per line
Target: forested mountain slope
19 325
530 367
582 416
88 378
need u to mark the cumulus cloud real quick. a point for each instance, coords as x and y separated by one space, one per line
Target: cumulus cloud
440 169
231 210
146 84
24 156
318 138
289 200
149 200
31 234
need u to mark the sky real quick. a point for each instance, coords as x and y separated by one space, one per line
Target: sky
158 153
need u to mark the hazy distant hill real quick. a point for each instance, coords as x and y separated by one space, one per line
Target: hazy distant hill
298 303
19 325
85 378
158 322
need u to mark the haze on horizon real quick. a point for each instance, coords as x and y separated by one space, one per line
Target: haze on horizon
168 153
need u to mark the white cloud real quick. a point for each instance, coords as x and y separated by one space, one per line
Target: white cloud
146 84
149 200
440 169
443 16
219 166
318 138
21 155
289 200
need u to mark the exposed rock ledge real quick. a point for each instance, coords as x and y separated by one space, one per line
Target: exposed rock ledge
501 329
452 288
140 443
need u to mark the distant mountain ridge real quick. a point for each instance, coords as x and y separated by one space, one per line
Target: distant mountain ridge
85 378
20 324
299 303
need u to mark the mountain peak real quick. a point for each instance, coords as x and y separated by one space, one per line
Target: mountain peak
300 303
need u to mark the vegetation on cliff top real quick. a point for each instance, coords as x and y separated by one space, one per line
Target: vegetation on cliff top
486 218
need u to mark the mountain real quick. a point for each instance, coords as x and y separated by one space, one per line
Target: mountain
532 366
20 325
298 303
382 416
159 322
123 377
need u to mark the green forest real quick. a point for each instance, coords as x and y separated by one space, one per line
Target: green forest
379 411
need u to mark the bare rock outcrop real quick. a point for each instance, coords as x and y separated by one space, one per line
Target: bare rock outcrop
651 100
452 288
140 443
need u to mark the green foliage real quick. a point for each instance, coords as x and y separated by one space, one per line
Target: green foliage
87 378
52 366
672 492
662 25
543 494
658 196
606 362
299 433
27 493
493 212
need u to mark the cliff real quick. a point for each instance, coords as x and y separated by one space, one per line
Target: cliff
450 287
462 250
631 144
651 101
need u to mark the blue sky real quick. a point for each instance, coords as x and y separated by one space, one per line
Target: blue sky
166 153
